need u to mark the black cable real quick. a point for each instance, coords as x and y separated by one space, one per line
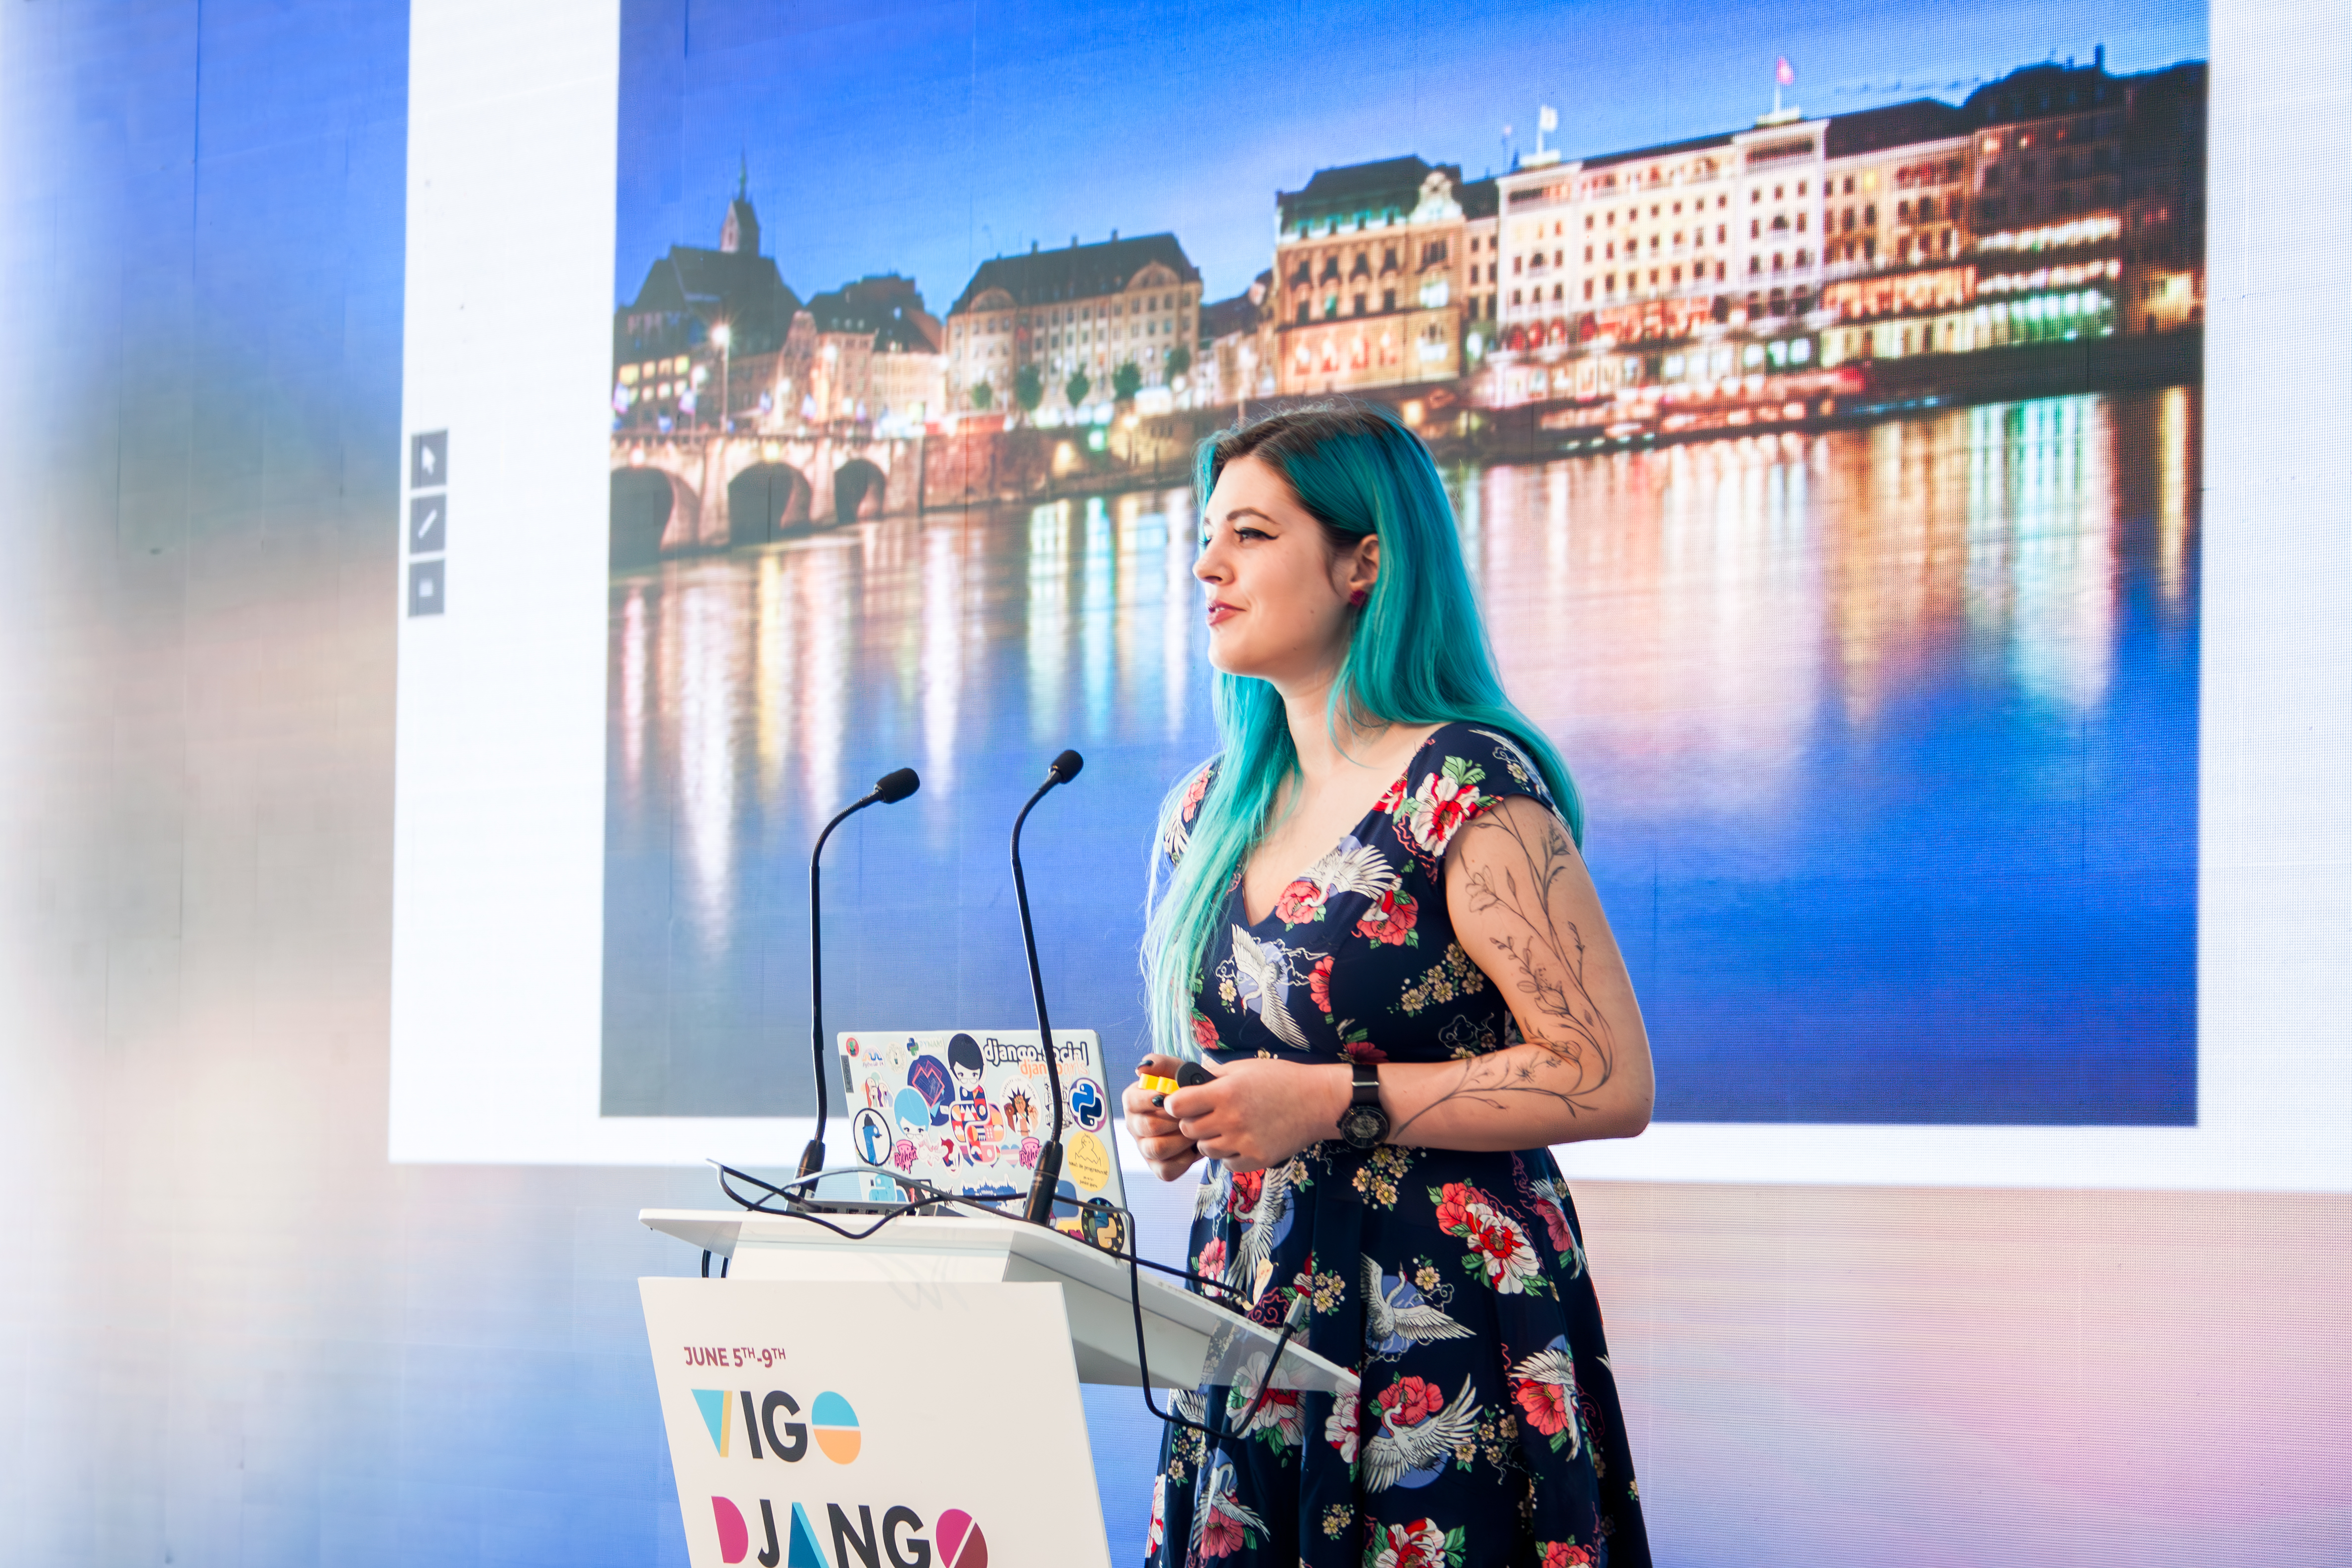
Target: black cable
1290 1325
1134 1259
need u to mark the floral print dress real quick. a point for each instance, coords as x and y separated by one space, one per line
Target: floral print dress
1487 1431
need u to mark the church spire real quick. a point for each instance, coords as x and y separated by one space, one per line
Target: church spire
741 232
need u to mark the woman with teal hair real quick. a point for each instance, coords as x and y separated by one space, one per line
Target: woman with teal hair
1373 926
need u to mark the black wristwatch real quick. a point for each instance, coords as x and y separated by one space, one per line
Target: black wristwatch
1364 1124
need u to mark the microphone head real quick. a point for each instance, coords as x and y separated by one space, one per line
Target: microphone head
892 788
1066 767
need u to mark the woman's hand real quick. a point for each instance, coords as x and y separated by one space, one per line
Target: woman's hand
1260 1111
1164 1147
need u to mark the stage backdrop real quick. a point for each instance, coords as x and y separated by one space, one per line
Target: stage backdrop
491 475
1823 433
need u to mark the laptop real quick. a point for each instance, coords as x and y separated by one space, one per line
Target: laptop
967 1111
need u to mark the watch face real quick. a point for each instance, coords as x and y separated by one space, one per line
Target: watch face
1363 1126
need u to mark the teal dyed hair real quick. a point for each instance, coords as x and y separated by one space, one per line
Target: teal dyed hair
1418 656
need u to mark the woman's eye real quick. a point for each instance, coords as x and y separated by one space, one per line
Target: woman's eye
1251 533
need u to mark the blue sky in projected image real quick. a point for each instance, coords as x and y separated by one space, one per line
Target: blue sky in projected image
925 138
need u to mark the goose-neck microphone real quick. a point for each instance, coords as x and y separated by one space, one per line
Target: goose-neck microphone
1048 1179
889 790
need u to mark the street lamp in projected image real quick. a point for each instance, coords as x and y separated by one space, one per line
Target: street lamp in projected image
724 336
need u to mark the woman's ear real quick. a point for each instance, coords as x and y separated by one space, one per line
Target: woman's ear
1364 565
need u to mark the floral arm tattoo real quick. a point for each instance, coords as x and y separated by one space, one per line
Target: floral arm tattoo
1575 1052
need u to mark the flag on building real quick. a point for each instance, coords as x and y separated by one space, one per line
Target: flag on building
1783 72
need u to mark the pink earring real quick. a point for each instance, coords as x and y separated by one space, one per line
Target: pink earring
1356 598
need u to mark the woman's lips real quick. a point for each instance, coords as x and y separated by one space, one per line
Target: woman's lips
1219 611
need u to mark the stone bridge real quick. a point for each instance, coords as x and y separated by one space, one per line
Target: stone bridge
681 493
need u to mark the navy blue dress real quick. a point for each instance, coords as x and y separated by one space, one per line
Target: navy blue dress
1488 1430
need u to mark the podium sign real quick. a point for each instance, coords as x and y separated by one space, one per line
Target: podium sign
852 1425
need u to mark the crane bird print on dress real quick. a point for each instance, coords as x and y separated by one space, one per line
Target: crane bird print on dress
1416 1452
1260 1205
1352 868
1391 1323
1222 1522
1265 1220
1544 1386
1262 975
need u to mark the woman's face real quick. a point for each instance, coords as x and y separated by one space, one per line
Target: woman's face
1277 592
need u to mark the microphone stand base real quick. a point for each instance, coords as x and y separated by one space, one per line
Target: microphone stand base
1039 1210
812 1162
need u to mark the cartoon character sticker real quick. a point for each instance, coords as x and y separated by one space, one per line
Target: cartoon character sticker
913 1114
973 1124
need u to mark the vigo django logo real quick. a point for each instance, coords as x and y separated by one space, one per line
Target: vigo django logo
899 1542
835 1420
756 1426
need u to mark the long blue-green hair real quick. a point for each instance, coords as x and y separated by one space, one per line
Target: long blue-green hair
1418 655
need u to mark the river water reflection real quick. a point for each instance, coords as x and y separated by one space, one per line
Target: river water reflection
1887 739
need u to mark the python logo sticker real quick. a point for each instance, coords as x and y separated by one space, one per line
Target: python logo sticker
836 1427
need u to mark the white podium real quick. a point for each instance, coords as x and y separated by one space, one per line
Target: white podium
912 1398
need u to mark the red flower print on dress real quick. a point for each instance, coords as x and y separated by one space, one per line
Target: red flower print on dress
1500 1252
1300 902
1391 920
1410 1401
1416 1544
1339 1428
1204 1033
1212 1258
1444 801
1564 1554
1179 832
1279 1420
1222 1534
1563 1240
1193 794
1319 985
1544 1405
1392 797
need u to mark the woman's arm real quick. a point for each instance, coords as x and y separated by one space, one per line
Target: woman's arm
1524 909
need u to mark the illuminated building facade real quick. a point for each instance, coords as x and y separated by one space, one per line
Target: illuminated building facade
1482 276
1371 270
1084 309
2164 202
1235 358
1919 227
867 352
